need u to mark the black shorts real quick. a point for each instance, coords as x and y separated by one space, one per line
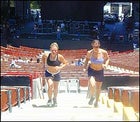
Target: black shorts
98 75
55 77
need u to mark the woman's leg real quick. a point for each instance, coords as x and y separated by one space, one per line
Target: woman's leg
92 89
92 86
56 83
97 91
50 90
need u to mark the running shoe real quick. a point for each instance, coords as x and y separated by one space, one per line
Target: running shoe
91 100
54 102
96 104
49 103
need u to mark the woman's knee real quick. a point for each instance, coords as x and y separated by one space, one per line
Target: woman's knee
50 87
92 82
50 84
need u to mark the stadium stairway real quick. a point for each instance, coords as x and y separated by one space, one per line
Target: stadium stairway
71 107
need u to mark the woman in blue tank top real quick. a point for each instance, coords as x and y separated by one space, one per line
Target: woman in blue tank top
96 61
53 63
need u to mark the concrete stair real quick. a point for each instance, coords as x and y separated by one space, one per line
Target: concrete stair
71 107
127 113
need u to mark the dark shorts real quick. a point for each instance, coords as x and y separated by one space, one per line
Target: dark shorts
98 75
55 77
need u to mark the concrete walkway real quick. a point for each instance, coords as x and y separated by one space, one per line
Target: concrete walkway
71 107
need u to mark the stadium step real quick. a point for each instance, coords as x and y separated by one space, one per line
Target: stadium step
71 106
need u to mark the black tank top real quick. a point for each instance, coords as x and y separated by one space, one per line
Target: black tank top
53 63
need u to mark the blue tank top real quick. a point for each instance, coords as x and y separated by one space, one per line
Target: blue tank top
97 60
53 63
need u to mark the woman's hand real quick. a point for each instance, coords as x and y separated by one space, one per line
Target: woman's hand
104 66
84 69
58 68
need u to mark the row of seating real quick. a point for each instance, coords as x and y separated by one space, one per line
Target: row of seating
71 55
126 60
17 87
20 51
13 96
69 71
116 58
124 100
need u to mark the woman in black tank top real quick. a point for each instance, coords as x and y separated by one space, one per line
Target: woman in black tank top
53 63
